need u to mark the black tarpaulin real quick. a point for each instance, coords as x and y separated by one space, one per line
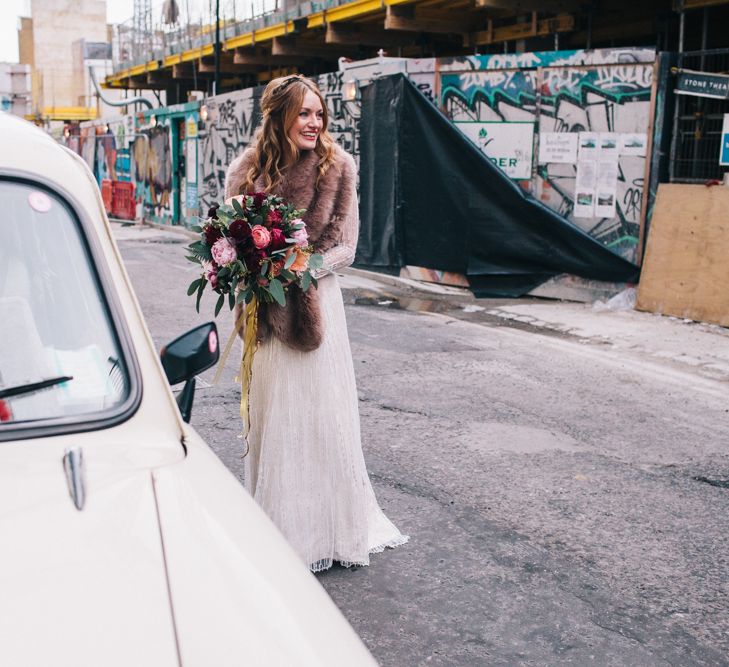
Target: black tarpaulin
430 198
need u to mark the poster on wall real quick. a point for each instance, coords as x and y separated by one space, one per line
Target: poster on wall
586 182
584 203
609 145
558 147
191 202
724 152
508 145
605 203
589 146
633 143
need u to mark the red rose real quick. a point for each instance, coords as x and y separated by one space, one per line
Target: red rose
212 234
258 199
240 230
254 258
278 239
274 218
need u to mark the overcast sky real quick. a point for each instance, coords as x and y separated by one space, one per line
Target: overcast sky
118 11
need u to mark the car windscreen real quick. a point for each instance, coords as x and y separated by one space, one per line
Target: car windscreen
59 355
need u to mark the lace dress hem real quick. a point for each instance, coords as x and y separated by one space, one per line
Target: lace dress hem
325 563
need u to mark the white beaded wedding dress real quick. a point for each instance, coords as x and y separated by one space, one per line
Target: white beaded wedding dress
305 465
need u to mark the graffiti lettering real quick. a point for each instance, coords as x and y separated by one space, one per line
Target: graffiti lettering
235 118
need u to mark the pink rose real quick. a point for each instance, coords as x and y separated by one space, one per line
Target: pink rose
301 237
223 252
261 236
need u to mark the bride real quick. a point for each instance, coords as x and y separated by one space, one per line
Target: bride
305 466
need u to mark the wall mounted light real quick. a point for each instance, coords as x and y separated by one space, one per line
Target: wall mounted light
203 118
350 90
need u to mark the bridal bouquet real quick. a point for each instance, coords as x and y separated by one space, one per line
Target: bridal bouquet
251 249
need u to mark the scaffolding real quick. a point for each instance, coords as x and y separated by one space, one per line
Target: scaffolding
174 26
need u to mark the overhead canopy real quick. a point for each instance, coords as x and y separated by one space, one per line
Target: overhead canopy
431 198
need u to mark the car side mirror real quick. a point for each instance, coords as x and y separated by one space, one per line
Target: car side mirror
191 354
185 357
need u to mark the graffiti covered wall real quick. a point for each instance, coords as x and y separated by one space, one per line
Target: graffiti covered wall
344 115
605 92
152 170
232 120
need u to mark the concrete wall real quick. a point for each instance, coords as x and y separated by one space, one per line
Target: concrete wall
15 88
56 25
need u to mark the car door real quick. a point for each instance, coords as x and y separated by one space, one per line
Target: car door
82 570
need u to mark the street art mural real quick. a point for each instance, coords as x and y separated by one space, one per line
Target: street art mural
104 145
106 154
152 167
606 92
505 103
232 120
87 145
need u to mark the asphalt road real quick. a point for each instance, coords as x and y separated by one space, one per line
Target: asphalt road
550 488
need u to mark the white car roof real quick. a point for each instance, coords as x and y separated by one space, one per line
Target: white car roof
25 147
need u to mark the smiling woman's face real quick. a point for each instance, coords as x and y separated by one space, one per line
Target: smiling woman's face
308 124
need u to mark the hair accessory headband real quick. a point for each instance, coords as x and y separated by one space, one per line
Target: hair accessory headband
286 82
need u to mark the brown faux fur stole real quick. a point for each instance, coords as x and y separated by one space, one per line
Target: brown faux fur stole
299 323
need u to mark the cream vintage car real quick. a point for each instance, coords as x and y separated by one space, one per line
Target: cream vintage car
123 539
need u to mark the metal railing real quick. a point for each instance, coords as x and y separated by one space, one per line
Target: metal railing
133 45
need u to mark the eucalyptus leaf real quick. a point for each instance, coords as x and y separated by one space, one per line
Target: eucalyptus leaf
219 305
199 294
316 261
290 260
305 281
276 290
193 286
238 208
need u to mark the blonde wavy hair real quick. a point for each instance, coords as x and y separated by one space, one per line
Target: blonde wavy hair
274 151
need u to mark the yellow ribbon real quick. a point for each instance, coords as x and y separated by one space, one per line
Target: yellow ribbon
246 363
249 317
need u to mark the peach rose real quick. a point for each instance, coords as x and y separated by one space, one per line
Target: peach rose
261 236
301 262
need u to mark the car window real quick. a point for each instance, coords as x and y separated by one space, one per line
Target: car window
59 355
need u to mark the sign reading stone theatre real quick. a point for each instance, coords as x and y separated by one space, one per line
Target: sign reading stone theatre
702 84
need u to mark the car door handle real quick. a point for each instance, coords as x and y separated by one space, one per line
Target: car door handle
73 466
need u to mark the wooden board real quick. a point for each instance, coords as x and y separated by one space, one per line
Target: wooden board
686 266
